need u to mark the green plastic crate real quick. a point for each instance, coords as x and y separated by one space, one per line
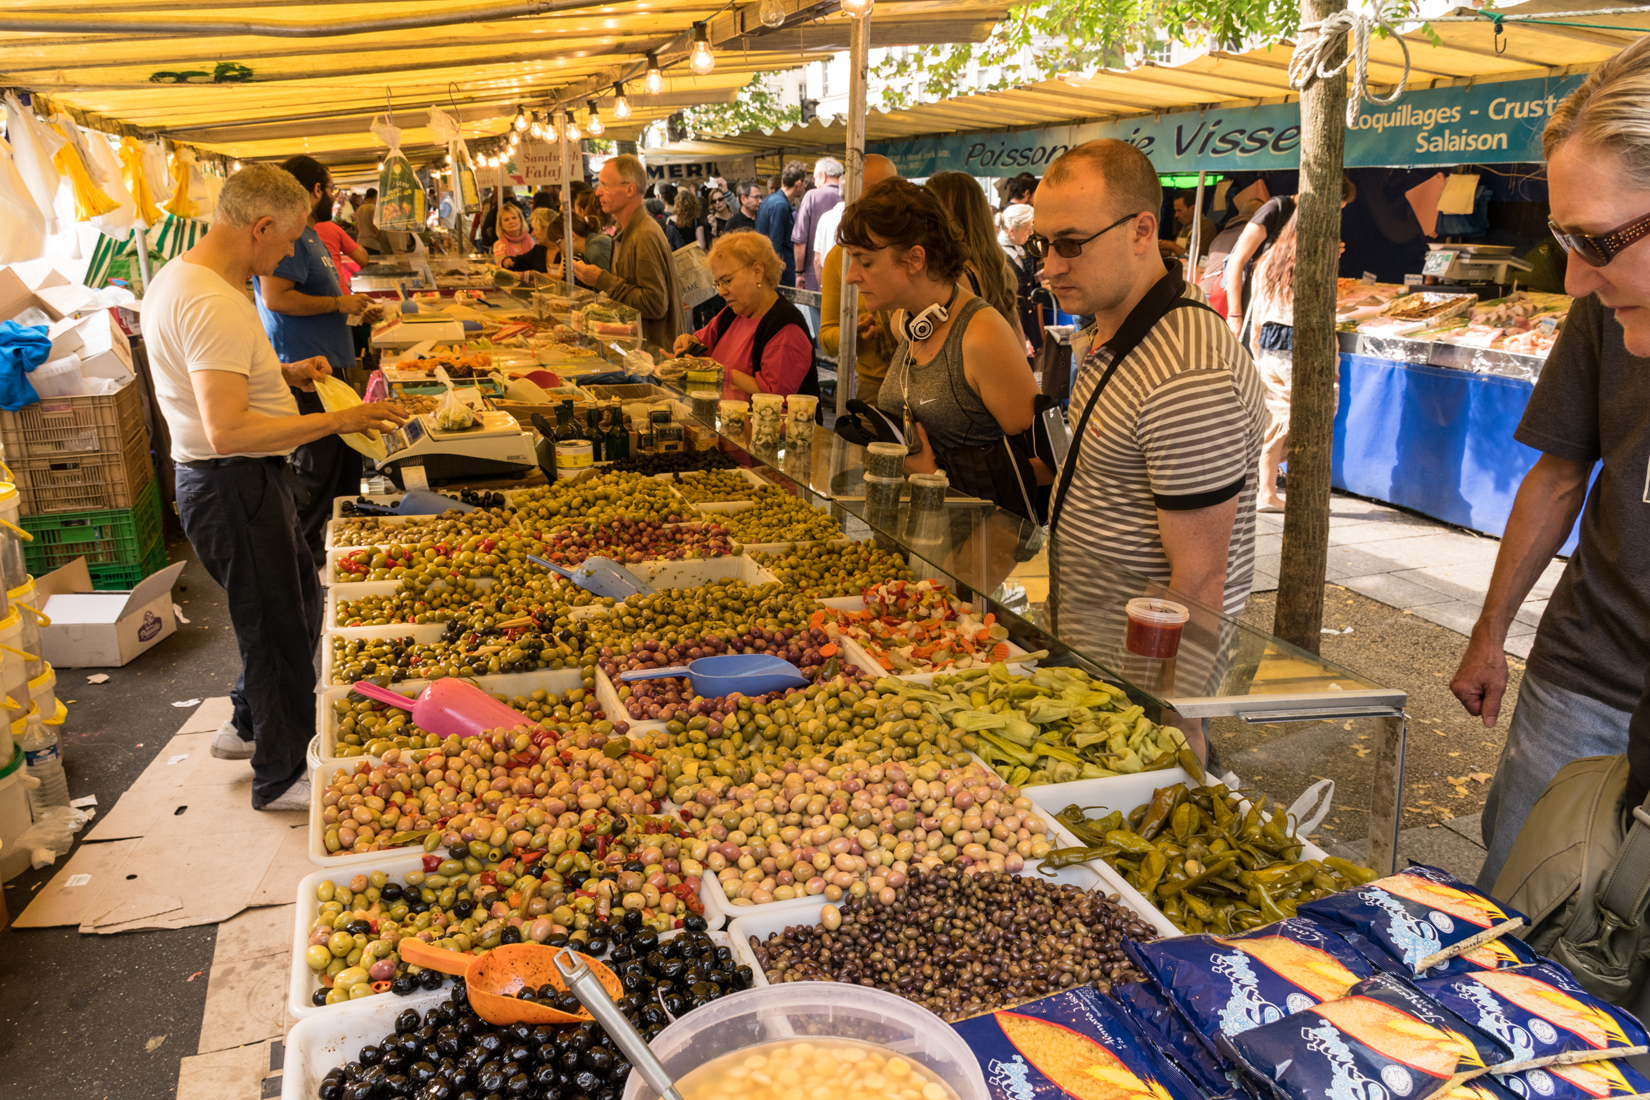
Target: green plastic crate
123 578
108 536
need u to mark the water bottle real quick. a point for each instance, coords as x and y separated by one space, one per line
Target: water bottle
44 761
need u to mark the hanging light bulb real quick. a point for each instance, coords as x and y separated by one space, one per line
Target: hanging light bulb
571 128
521 119
772 13
594 127
655 82
380 166
701 60
237 166
621 105
449 158
859 9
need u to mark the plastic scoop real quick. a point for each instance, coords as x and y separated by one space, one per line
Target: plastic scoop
717 677
600 576
450 708
595 996
493 978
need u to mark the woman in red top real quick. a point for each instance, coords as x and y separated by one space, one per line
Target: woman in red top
760 339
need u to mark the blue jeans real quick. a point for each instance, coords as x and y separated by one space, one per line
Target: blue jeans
244 527
1550 727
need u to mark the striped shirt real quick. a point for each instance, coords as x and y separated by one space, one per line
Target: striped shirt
1179 427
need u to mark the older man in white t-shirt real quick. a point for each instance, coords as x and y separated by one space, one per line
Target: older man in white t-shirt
233 421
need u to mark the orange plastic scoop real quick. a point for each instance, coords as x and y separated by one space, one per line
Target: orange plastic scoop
491 979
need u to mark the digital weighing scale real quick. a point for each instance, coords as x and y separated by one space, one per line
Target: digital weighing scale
1473 266
421 454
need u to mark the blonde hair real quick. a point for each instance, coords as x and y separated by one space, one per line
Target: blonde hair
262 191
747 246
541 221
1609 111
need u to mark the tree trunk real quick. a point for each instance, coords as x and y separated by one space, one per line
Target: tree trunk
1316 356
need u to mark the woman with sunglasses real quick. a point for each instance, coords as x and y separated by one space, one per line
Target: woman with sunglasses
1586 667
759 338
959 375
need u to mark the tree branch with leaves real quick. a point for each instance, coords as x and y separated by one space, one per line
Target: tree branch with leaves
757 106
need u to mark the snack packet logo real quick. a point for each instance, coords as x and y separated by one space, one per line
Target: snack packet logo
1246 1008
1347 1081
1493 1019
1417 939
1011 1079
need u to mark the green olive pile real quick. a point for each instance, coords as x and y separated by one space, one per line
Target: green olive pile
598 497
724 606
518 591
780 517
704 486
825 571
447 527
367 727
472 557
392 660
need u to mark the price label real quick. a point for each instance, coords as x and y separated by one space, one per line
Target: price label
1414 280
1369 279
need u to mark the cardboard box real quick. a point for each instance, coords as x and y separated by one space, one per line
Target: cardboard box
103 629
105 350
40 285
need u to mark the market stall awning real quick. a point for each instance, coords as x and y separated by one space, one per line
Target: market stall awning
268 78
1466 52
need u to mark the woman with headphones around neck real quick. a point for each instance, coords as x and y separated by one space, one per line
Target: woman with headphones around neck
959 375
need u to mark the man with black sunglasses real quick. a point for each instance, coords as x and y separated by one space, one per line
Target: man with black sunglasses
1590 408
1166 438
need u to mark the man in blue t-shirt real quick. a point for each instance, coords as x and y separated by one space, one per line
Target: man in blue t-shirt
777 216
305 313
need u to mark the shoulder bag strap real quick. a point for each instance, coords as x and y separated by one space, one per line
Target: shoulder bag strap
1163 297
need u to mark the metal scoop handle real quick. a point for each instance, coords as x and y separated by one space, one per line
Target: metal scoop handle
584 985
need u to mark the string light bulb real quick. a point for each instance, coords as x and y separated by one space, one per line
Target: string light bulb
772 13
380 166
236 167
655 82
701 60
621 105
521 119
859 9
594 127
572 128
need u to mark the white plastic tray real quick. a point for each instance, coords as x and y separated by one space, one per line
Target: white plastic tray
301 981
861 657
763 921
376 498
325 1039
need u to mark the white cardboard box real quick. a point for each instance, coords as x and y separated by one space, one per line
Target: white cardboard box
103 629
105 351
40 285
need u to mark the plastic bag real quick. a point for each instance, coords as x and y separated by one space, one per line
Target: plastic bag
90 200
32 146
1607 1080
104 166
25 235
186 200
137 181
466 196
452 415
400 198
53 834
336 396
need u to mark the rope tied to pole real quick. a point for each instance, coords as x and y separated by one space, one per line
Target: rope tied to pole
1310 60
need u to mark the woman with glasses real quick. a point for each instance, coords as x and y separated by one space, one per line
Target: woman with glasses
959 378
759 338
1586 667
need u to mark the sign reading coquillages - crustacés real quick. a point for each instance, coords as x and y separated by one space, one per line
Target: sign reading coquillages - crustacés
1497 123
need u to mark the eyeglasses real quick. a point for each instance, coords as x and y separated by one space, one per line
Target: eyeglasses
727 280
1068 247
1596 251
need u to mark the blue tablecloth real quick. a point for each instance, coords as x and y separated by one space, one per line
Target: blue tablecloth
1435 440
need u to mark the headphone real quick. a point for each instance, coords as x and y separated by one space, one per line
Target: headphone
922 326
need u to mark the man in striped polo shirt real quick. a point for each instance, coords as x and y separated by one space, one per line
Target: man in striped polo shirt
1163 477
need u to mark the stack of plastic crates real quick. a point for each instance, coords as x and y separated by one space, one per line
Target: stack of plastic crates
121 545
75 454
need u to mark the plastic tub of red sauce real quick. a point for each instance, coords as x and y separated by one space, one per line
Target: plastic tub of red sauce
1154 628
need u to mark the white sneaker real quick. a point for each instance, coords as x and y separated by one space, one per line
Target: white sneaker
227 745
295 797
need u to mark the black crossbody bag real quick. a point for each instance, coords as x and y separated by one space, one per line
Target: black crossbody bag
1164 296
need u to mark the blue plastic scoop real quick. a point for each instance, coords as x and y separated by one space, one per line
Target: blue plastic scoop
599 576
716 677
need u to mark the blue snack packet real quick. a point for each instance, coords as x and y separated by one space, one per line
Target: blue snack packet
1606 1080
1076 1043
1421 917
1383 1039
1541 1013
1156 1017
1229 984
1498 954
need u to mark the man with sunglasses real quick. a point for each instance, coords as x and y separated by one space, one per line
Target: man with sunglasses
1166 439
1591 407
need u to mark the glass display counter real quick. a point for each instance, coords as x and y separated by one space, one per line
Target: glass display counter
1283 720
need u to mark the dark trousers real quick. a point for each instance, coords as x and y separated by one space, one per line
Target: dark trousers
243 525
328 468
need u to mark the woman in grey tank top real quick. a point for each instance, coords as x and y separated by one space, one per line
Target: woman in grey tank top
958 371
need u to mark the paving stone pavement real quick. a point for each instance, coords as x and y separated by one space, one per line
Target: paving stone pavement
1455 846
1426 568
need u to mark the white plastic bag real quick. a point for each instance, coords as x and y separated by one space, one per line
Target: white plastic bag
466 196
25 235
104 167
32 146
53 835
400 196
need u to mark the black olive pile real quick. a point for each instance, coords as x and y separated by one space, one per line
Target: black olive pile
361 506
675 462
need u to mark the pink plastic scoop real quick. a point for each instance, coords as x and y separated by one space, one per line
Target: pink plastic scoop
449 707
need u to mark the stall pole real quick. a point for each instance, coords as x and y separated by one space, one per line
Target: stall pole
1197 230
140 238
859 38
1299 616
566 212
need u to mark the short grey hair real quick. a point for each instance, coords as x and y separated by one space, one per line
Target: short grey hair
630 170
830 167
262 191
1608 112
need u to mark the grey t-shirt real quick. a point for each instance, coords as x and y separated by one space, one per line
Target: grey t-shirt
1592 402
